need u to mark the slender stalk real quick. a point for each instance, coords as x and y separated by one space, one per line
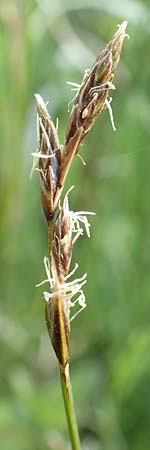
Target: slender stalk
69 407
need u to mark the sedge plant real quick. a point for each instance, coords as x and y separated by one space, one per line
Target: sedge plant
64 225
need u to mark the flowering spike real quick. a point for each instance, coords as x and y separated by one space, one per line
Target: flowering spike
65 226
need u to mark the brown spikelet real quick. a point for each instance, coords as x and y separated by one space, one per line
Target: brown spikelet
57 310
90 101
57 321
49 162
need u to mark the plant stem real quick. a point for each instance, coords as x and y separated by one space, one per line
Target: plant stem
69 407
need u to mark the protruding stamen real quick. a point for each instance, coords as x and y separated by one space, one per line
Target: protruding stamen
42 156
48 271
81 158
102 87
78 217
42 282
108 102
76 86
82 304
72 272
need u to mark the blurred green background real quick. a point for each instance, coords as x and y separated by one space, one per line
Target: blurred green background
42 45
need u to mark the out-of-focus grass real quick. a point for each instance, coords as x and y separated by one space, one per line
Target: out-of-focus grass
42 45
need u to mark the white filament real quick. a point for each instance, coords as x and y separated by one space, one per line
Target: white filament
108 102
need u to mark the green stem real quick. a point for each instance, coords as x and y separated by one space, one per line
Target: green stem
69 407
